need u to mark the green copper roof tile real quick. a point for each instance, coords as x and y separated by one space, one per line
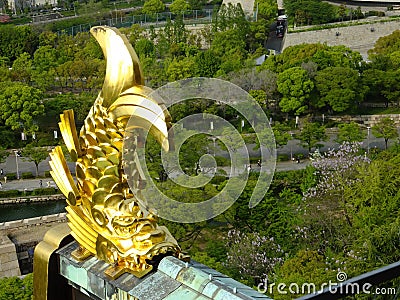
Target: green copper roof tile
171 266
185 293
228 295
156 286
75 274
216 290
193 278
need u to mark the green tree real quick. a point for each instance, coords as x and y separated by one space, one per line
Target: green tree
22 68
374 79
295 87
385 129
134 33
20 105
311 134
391 87
276 135
16 288
337 56
197 4
281 133
386 44
5 74
35 155
151 7
350 132
179 6
16 40
180 69
308 12
339 88
342 11
260 96
207 63
44 64
145 48
267 9
3 154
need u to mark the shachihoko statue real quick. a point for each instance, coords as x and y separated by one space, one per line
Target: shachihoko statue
103 211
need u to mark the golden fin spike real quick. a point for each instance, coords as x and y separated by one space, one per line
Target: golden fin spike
61 174
123 69
69 134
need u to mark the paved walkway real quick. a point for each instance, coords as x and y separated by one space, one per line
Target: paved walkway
31 184
28 184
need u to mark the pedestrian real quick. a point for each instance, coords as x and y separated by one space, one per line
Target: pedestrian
41 183
259 163
1 172
48 183
5 179
249 168
1 185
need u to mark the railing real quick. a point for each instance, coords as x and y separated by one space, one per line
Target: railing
365 284
189 17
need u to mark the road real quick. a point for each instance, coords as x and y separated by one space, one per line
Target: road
291 149
273 42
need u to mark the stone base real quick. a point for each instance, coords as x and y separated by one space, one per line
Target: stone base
8 258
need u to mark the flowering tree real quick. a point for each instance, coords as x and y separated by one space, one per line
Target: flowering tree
325 208
335 170
252 255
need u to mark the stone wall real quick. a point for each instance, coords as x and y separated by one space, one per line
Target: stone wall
8 258
359 38
18 240
367 120
61 217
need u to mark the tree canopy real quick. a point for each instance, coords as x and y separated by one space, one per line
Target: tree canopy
339 88
385 129
21 105
153 6
295 86
179 6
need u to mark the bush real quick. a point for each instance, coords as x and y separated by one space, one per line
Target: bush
249 138
44 191
16 288
10 194
221 172
218 179
222 161
47 174
27 175
376 13
11 176
282 157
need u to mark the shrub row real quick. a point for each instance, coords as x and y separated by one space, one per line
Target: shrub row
35 192
26 175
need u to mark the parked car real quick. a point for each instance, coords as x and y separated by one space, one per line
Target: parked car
280 31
